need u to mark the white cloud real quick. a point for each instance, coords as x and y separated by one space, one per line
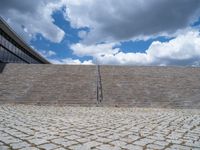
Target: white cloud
109 23
124 20
117 20
94 50
29 18
182 50
71 61
47 53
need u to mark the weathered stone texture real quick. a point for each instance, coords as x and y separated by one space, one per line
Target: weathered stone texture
98 128
48 84
171 87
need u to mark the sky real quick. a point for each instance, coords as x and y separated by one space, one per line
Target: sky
109 32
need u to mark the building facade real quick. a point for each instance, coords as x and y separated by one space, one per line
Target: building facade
14 50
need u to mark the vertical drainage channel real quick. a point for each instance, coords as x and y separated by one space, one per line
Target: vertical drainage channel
99 86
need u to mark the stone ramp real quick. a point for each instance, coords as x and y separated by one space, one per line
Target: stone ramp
48 85
171 87
166 87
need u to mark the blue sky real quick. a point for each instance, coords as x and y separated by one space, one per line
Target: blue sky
128 33
63 50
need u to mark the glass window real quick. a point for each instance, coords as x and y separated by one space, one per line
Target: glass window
5 55
12 47
3 41
15 49
7 44
0 39
1 53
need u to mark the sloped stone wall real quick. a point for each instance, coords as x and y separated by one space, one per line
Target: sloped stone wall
167 87
48 84
171 87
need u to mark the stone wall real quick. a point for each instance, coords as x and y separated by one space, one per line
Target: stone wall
171 87
48 84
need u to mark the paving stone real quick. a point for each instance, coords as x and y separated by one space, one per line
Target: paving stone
143 142
4 147
180 147
127 140
132 147
195 144
83 140
154 146
174 141
19 145
79 147
118 143
38 141
108 147
103 140
157 138
51 127
10 140
91 144
174 136
48 146
21 135
133 137
72 137
29 148
162 143
68 143
59 141
60 148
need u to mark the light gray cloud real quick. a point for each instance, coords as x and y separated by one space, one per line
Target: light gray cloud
109 23
47 53
184 50
71 61
29 18
112 20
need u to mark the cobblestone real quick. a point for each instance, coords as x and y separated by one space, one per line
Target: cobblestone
27 127
19 145
48 146
4 147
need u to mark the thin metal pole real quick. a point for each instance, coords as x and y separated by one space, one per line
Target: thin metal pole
99 84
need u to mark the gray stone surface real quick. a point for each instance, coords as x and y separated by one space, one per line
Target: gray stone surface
163 87
171 87
48 85
98 128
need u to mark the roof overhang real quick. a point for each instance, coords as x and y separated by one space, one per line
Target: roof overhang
10 32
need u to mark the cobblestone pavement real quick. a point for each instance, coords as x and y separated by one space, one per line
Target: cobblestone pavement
58 128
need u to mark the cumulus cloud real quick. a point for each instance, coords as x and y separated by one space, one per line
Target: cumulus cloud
47 53
71 61
112 20
184 50
94 50
29 18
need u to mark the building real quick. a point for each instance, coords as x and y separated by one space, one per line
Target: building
14 50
